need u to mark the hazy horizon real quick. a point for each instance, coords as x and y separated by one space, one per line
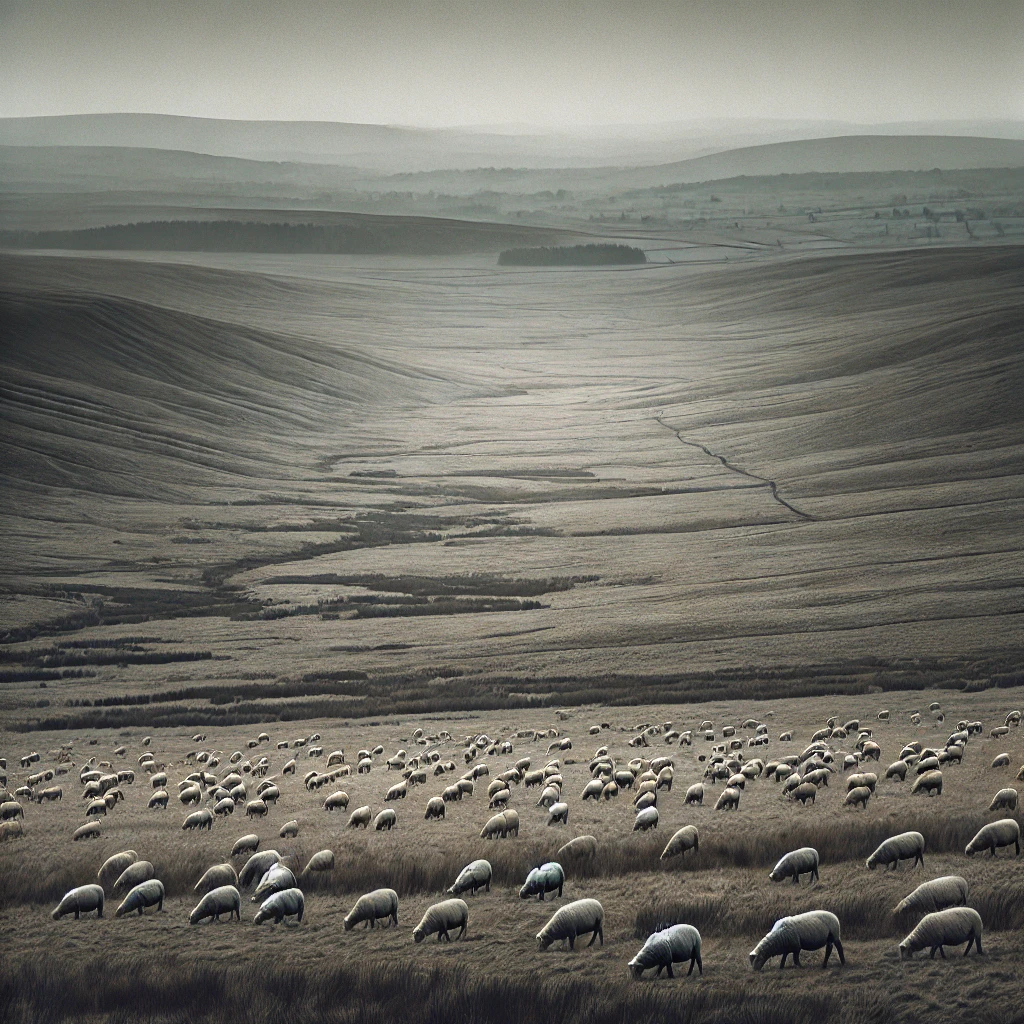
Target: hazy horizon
580 66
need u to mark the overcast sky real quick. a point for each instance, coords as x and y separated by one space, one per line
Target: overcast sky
550 63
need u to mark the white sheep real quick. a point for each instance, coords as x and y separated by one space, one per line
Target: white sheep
224 900
215 877
791 935
83 900
283 904
1005 799
944 928
247 844
441 918
1005 832
198 820
905 846
674 945
146 894
360 817
138 871
476 875
796 863
558 814
435 809
929 782
730 799
684 839
938 894
695 794
277 878
646 819
372 907
113 866
90 830
580 848
574 919
547 878
257 866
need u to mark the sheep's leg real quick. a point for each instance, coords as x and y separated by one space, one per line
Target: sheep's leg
783 961
796 959
668 968
977 945
828 952
593 938
839 950
699 962
796 877
560 884
462 931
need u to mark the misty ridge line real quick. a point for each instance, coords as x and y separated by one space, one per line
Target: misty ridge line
763 481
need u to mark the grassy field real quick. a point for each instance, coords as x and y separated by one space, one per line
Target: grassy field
318 971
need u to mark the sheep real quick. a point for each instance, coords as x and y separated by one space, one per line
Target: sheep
558 814
897 770
276 879
944 928
905 846
247 844
1005 799
146 894
256 809
547 878
223 900
473 876
466 787
90 830
938 894
593 789
860 795
136 872
397 792
336 801
198 820
496 826
645 800
83 900
257 866
803 792
550 796
796 863
580 848
674 945
929 782
113 867
435 809
695 794
283 904
441 918
1001 761
684 839
95 807
571 921
360 817
868 779
372 907
792 935
730 799
215 877
1005 832
646 819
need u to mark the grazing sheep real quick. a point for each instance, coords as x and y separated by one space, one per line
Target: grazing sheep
372 907
547 878
645 800
495 827
558 814
796 863
593 789
146 894
136 872
247 844
571 921
397 792
435 809
321 861
684 839
289 830
1005 832
215 877
792 935
929 782
441 918
549 797
385 820
610 790
1005 799
674 945
199 819
336 801
905 846
580 848
112 867
257 866
224 900
938 894
283 904
695 794
646 819
83 900
256 809
860 795
360 817
944 928
868 779
1001 761
90 830
807 791
276 879
897 770
473 876
730 799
